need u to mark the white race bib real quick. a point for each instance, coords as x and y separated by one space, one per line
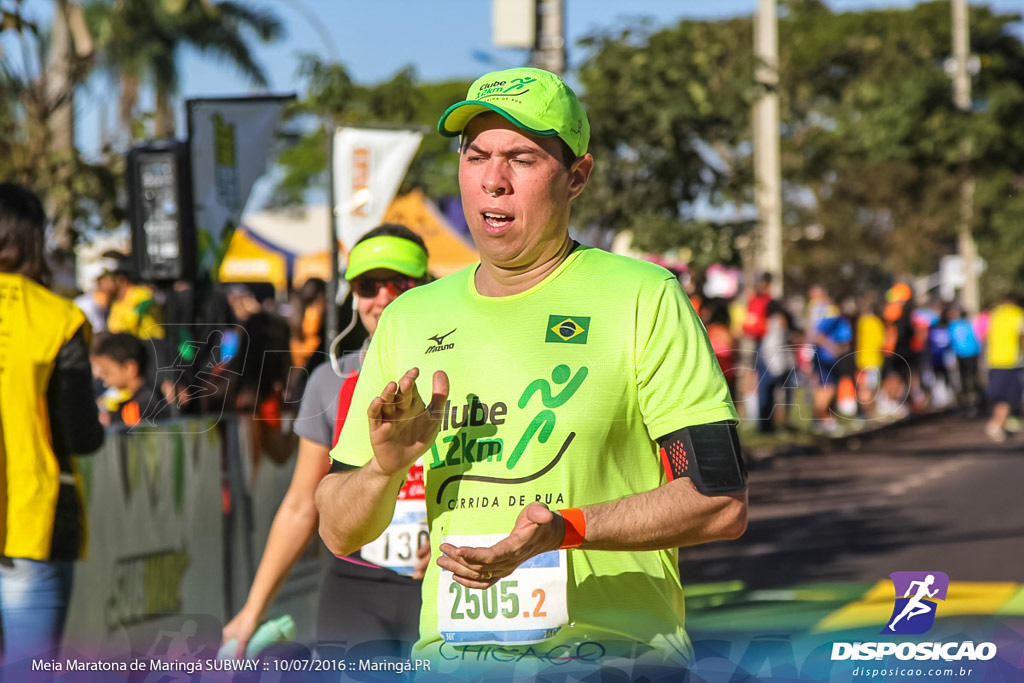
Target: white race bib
527 606
396 547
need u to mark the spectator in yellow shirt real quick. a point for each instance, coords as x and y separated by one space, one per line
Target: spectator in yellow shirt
47 414
870 339
134 308
1005 385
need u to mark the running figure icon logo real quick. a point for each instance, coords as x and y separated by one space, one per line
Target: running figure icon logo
916 593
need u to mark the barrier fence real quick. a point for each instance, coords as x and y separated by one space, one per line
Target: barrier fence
178 517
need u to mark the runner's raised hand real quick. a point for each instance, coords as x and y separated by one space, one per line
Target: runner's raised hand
402 427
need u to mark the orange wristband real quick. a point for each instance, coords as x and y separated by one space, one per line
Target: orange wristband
575 527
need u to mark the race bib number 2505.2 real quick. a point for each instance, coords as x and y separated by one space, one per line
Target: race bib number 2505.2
527 606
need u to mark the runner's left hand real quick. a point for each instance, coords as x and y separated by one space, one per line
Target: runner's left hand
537 530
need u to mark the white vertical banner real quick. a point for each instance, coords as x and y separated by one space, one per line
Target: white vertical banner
369 164
230 142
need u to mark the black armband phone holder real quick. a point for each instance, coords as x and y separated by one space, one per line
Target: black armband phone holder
709 455
338 466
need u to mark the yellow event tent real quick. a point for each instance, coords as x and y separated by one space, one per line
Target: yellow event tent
282 245
251 259
448 250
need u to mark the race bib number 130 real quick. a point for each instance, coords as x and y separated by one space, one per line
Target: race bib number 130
527 606
396 547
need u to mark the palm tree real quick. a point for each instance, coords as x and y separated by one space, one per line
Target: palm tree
140 42
37 91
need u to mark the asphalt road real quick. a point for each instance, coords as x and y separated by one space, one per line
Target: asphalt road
930 494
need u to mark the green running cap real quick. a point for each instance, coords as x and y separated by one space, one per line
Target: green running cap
536 101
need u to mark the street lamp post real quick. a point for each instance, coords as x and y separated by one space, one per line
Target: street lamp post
767 165
331 316
549 52
969 295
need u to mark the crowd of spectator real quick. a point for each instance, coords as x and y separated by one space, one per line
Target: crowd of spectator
809 362
202 349
830 365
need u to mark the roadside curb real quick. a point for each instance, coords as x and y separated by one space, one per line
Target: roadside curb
759 457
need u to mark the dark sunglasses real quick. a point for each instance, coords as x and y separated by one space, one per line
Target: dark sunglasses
367 288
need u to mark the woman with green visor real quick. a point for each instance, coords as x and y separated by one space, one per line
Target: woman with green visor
374 594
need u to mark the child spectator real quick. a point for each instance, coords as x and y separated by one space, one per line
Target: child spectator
121 361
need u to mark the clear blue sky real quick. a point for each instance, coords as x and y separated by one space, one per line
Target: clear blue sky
375 38
440 38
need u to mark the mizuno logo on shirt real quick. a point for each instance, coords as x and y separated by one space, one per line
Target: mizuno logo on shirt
566 329
439 344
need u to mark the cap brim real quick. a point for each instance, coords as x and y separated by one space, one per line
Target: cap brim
458 116
406 268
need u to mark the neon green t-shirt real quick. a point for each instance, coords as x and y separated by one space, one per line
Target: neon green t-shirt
557 394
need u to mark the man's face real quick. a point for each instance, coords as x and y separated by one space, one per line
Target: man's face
516 192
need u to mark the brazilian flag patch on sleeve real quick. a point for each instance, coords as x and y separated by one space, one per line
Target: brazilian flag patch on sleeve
567 329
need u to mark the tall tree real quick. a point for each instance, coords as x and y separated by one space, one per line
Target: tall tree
37 87
332 98
669 113
872 144
140 43
874 137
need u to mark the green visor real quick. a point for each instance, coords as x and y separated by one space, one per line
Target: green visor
387 251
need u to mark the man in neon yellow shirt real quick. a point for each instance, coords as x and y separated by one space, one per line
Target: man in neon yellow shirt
579 429
1005 384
